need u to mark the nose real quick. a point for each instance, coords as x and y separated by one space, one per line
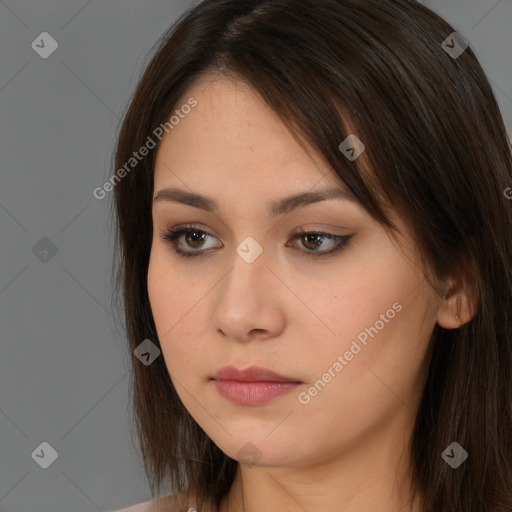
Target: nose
249 300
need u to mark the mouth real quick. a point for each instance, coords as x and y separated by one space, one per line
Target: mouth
252 386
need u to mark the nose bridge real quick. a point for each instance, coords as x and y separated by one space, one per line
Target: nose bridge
248 267
243 296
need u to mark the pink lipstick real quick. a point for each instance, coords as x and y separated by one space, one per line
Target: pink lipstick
252 386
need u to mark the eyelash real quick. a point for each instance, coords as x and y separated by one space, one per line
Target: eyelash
172 234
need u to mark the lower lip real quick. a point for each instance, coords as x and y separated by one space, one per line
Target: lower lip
253 393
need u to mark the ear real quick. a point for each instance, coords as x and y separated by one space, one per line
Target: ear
459 304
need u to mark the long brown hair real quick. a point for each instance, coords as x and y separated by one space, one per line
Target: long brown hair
439 154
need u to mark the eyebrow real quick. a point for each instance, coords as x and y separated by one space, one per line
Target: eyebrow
279 207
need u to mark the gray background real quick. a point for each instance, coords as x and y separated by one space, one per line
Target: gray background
64 368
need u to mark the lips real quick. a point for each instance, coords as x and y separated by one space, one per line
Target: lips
252 386
251 374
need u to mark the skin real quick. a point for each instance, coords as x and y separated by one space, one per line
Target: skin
290 312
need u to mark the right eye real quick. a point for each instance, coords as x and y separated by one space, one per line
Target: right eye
193 236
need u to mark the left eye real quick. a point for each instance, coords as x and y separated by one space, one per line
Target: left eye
195 237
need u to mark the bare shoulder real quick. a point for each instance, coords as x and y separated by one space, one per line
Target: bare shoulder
176 502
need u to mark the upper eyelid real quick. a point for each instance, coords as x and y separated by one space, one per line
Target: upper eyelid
326 230
298 231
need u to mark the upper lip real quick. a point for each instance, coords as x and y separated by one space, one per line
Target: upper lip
251 374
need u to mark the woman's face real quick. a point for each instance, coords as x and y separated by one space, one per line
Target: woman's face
351 326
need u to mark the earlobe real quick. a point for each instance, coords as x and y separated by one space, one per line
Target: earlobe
456 308
449 314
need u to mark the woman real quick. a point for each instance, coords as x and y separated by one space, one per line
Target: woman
316 262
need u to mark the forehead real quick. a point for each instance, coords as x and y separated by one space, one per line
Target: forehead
231 135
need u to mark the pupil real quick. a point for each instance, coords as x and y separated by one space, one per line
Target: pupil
196 237
314 237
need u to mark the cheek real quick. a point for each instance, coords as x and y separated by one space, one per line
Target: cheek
159 292
169 294
352 298
380 320
176 307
